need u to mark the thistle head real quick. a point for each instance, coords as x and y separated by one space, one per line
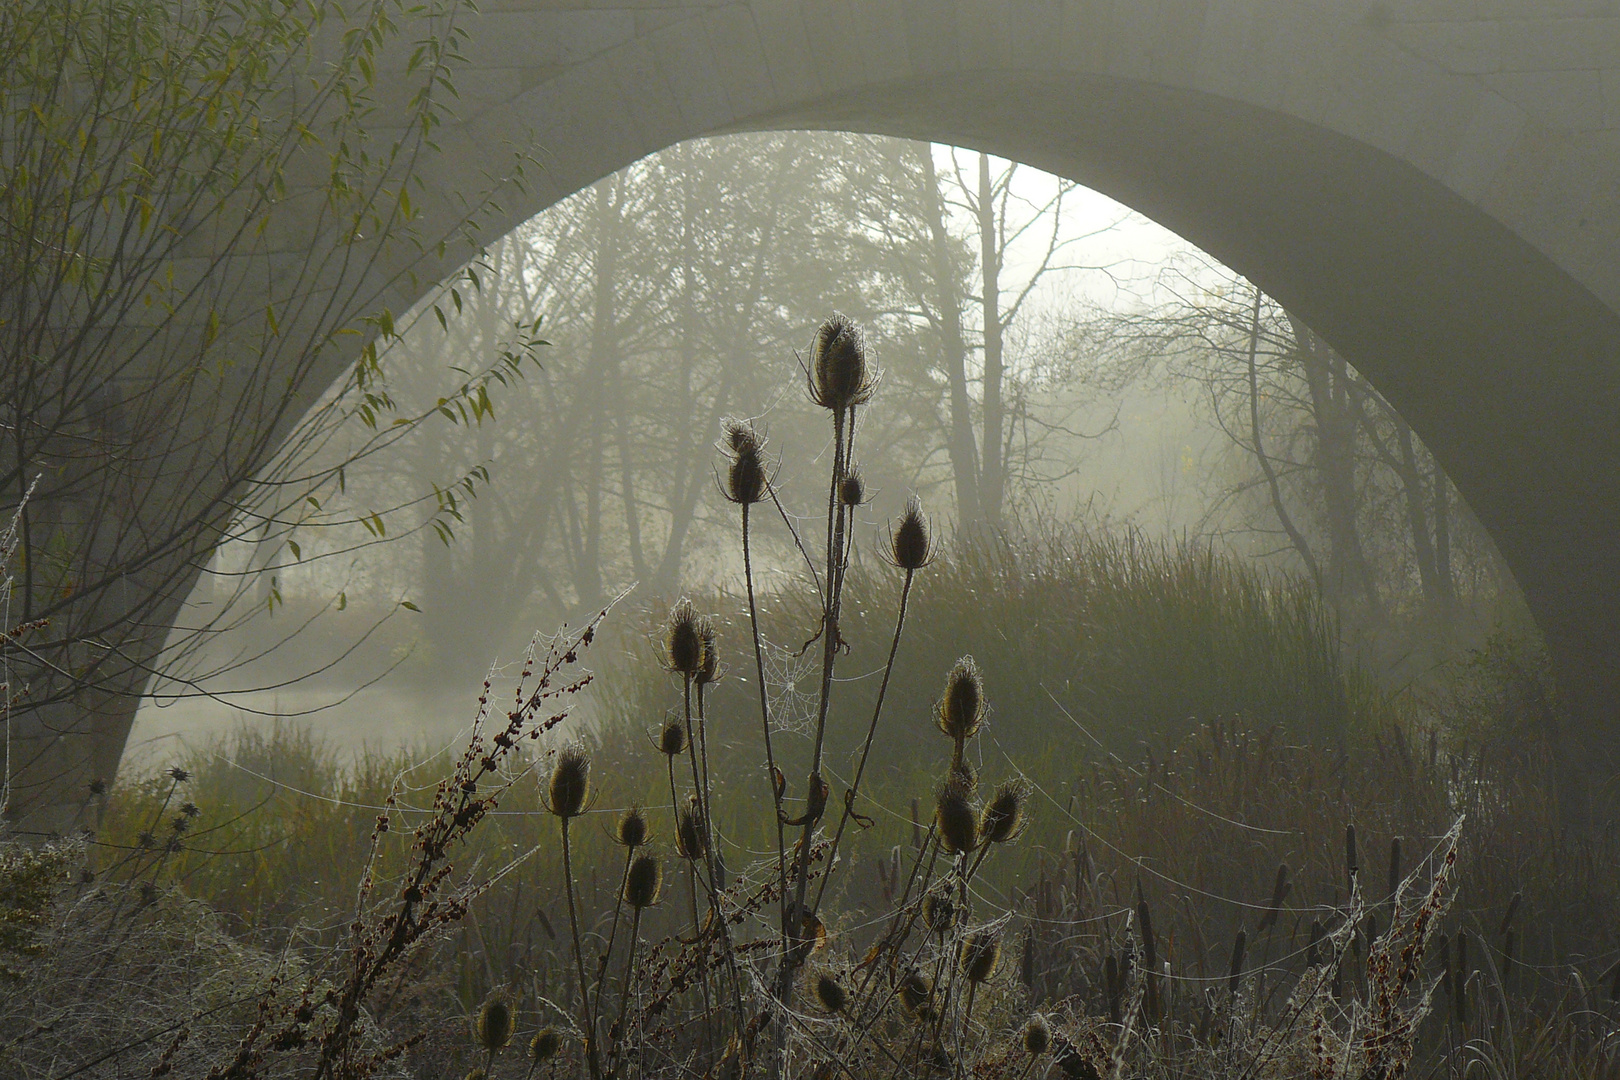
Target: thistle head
962 708
1003 817
570 781
632 828
830 992
493 1025
642 881
981 952
910 545
1037 1035
957 822
684 635
839 377
544 1045
672 740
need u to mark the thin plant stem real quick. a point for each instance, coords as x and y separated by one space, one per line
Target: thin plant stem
591 1056
765 723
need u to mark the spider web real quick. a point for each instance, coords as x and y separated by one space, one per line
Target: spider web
790 687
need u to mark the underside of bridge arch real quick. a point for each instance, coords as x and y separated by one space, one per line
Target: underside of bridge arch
1507 367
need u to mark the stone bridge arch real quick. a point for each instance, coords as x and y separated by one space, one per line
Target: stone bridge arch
1434 185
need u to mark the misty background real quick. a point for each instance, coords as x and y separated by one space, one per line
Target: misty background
1052 364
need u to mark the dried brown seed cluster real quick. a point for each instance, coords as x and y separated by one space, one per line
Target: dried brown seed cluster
839 376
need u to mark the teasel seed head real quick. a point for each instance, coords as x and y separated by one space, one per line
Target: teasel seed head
852 489
745 479
839 378
914 991
830 992
493 1027
672 740
958 824
1037 1035
1003 817
962 708
741 437
689 838
910 545
544 1045
642 882
939 913
683 639
709 672
570 781
981 952
632 830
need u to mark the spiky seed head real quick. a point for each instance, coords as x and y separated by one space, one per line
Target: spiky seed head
909 543
962 708
1037 1035
570 781
689 838
981 952
741 436
1003 817
179 774
672 740
632 830
98 786
914 990
642 881
838 374
852 489
830 992
683 639
745 479
957 821
493 1026
709 672
544 1045
939 912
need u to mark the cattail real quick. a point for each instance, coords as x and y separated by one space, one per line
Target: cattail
852 489
1512 909
830 992
958 824
745 480
672 740
1280 888
642 881
683 639
939 913
544 1045
838 374
1037 1035
1003 817
1313 954
1113 985
690 840
493 1027
1235 975
981 952
570 781
909 543
632 830
914 991
1350 855
1144 923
